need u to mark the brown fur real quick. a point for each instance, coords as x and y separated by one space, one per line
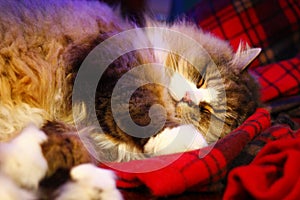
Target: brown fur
63 149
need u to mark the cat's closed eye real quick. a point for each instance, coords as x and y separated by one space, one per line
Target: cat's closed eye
200 82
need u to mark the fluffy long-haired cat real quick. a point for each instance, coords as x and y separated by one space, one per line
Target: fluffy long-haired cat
201 84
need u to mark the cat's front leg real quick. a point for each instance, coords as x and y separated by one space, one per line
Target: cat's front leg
174 140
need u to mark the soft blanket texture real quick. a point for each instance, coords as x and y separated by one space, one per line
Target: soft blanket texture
268 151
273 174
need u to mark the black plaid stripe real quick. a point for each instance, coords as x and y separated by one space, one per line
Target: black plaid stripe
217 18
213 175
249 25
290 73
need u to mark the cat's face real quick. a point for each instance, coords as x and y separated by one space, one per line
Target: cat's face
194 101
219 98
182 89
215 98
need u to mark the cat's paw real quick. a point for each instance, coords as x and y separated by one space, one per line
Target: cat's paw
174 140
89 182
22 158
9 190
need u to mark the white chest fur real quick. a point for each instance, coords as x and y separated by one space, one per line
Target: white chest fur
175 140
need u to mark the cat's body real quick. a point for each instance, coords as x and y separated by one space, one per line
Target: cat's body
43 44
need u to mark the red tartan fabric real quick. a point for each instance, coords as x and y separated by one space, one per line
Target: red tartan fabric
184 173
273 174
280 79
272 25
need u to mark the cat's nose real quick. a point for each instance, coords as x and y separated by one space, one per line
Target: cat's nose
187 98
192 97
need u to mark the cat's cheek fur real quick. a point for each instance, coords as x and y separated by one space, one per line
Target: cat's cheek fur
174 140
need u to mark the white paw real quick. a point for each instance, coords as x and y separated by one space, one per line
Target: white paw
22 158
10 191
179 139
89 182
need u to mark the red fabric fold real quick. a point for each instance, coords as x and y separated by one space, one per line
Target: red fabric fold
273 174
180 172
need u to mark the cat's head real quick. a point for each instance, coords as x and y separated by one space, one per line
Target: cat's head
209 88
219 94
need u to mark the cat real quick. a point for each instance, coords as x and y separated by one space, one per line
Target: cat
42 49
207 105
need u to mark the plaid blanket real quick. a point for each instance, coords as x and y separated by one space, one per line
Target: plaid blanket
261 147
278 80
272 25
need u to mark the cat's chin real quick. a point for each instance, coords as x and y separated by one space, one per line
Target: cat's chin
175 140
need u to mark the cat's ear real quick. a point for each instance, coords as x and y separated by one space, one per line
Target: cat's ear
244 56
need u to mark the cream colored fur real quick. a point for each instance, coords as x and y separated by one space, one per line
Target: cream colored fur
34 57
